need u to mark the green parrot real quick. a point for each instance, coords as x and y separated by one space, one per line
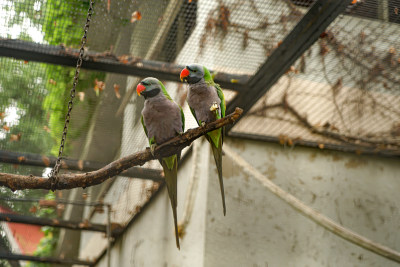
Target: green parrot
207 103
162 119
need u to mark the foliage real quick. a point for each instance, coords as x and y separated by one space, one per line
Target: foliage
58 21
38 95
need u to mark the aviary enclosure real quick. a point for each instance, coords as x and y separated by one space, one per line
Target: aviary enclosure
315 74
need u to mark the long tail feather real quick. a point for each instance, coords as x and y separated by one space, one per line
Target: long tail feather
171 181
217 152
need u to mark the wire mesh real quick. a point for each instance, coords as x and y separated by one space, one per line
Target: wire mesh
343 90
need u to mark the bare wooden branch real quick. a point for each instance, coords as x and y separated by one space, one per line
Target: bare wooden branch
69 181
310 213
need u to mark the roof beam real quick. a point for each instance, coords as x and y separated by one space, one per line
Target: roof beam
20 257
107 62
87 226
75 165
304 34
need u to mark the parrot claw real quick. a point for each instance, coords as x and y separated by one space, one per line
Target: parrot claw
214 107
152 148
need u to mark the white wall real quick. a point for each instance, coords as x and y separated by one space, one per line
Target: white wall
359 192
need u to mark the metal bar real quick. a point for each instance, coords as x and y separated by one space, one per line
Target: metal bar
337 147
304 34
76 165
4 249
57 201
107 62
16 218
16 257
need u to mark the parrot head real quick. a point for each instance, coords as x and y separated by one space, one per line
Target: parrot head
149 87
192 73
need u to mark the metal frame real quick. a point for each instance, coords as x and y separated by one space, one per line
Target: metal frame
16 218
20 257
107 62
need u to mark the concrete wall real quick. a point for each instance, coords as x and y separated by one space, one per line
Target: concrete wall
359 192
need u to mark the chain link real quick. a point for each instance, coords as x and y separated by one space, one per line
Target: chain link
54 173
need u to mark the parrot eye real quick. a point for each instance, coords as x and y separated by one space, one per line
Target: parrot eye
194 70
144 83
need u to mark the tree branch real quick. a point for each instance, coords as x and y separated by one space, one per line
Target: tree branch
69 181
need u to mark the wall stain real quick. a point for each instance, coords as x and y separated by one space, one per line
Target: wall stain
271 172
317 178
336 157
312 157
355 163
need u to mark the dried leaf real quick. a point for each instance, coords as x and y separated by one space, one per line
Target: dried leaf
392 50
282 139
81 96
136 16
64 164
84 224
245 42
321 146
33 209
290 142
46 161
98 86
80 164
15 137
108 6
26 61
53 82
47 129
116 90
21 158
55 221
2 115
6 128
396 10
85 196
224 14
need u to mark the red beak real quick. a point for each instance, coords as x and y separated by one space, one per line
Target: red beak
140 88
184 73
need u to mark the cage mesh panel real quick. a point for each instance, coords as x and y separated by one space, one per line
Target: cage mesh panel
345 84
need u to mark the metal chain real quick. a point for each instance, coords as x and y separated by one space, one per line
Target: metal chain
54 173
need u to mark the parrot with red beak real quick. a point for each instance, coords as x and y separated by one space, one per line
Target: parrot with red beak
162 119
207 103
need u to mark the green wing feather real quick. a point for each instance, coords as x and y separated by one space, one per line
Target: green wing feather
216 137
151 140
182 118
165 91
